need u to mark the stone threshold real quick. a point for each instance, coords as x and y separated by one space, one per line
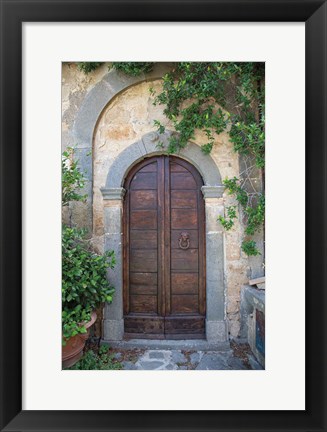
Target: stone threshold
164 344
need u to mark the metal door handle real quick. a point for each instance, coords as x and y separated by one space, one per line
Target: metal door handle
184 240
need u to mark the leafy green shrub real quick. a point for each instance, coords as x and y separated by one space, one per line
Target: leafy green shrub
255 214
71 178
84 280
133 68
250 248
88 67
101 360
228 222
84 273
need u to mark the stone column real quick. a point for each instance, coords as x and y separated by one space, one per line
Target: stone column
216 328
113 322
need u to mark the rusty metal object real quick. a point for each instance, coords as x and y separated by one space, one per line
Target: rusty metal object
184 240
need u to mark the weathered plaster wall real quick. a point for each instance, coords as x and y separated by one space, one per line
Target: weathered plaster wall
74 89
127 118
75 86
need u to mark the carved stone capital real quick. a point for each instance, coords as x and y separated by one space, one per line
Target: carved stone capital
212 191
113 193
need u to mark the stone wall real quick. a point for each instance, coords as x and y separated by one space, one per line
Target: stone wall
124 120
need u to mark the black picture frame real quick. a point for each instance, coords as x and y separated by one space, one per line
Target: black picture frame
13 14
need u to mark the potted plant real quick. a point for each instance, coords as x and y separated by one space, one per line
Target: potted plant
84 288
84 273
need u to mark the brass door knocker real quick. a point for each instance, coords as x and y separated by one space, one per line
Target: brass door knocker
184 240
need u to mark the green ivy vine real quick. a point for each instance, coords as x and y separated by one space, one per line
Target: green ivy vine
88 67
133 68
212 98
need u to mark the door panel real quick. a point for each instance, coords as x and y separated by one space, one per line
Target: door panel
185 260
182 181
143 303
144 180
143 283
183 199
144 219
143 239
164 251
177 326
184 218
143 199
143 260
138 326
185 303
184 283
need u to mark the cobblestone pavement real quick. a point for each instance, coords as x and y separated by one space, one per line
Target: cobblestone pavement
160 359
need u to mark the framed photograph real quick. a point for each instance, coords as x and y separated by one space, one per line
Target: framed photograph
189 140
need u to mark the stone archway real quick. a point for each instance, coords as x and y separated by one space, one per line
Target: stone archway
88 115
94 104
113 195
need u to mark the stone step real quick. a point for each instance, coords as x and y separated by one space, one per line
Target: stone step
191 344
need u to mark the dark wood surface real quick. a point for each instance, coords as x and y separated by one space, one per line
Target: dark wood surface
164 283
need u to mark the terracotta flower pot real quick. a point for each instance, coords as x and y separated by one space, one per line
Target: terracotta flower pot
73 350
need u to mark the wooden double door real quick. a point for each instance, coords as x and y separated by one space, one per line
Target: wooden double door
164 250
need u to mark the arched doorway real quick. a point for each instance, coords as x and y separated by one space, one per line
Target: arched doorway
114 198
164 250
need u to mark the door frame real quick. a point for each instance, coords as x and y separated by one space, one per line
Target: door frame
113 196
164 166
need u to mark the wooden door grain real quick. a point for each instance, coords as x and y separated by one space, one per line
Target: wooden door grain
164 250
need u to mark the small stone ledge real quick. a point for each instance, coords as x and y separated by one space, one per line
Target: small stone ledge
166 344
253 302
253 297
212 191
113 193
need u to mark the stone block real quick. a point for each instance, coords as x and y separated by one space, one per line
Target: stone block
115 276
122 164
212 191
87 116
113 330
216 331
117 81
253 300
113 194
215 277
178 357
112 220
195 357
213 361
84 159
203 163
156 355
151 142
212 213
150 365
